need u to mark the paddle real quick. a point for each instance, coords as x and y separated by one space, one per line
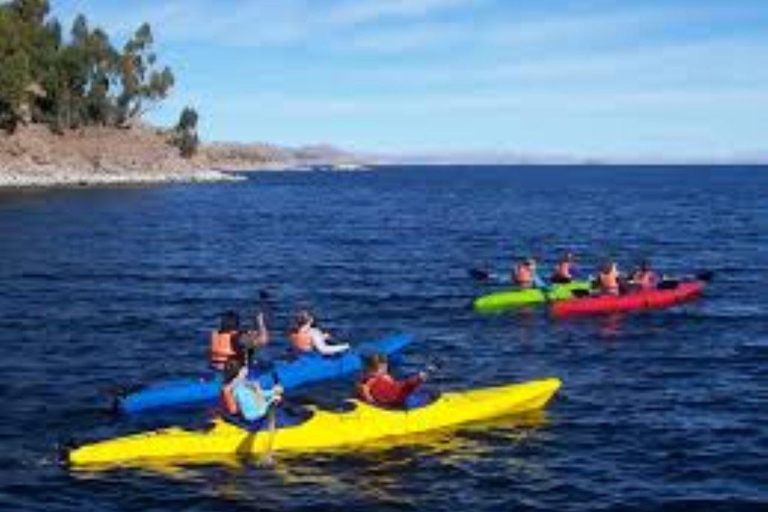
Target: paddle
259 326
482 275
269 458
671 284
479 274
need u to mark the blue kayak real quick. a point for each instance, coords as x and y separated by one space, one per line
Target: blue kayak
306 369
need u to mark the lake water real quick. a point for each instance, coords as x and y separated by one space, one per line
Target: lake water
659 411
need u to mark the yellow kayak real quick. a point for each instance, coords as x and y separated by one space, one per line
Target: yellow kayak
320 429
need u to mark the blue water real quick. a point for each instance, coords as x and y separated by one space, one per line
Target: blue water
661 411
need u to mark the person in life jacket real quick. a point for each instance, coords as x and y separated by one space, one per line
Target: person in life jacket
243 398
608 279
229 342
644 277
563 270
378 387
525 274
305 337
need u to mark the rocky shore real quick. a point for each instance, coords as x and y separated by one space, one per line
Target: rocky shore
36 157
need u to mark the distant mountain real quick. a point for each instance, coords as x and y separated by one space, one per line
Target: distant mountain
230 155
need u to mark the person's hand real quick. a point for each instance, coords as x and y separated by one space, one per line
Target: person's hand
422 376
279 390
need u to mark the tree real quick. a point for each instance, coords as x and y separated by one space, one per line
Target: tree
141 82
185 133
82 80
14 77
32 12
15 69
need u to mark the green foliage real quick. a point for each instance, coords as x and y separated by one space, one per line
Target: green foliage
83 80
185 133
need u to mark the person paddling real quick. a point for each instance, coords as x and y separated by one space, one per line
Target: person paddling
644 277
229 342
378 387
525 274
243 398
305 337
563 270
225 342
608 279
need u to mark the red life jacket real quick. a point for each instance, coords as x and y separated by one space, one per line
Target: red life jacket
523 276
385 390
223 348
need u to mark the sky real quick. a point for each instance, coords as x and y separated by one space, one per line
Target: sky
614 79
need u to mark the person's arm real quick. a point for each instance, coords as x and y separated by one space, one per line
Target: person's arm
538 282
258 337
364 391
273 394
320 344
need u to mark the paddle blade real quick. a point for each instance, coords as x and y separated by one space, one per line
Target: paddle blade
705 276
479 274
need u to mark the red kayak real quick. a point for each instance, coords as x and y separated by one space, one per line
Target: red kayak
662 297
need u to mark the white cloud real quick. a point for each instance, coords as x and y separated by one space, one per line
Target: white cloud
701 104
255 23
609 26
411 37
354 12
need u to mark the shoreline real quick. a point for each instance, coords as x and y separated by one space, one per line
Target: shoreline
34 157
81 179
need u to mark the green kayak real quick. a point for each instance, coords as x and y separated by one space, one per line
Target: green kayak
518 298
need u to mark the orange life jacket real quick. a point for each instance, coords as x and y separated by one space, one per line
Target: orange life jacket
227 399
523 275
609 282
301 341
222 347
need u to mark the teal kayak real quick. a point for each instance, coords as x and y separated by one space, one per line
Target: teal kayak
527 297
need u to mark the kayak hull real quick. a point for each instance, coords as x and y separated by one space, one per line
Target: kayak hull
635 301
323 430
519 298
309 368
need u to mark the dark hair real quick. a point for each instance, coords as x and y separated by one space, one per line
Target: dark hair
301 318
230 321
374 361
232 369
